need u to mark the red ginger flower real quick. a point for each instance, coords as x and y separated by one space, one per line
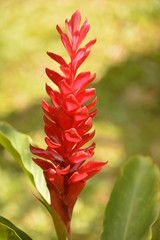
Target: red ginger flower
67 123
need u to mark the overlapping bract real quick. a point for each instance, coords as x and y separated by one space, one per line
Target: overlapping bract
68 122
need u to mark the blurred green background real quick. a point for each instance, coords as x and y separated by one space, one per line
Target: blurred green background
126 59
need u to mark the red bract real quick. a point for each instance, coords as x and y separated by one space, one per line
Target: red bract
67 123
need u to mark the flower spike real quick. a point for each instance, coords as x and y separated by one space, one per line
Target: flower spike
68 121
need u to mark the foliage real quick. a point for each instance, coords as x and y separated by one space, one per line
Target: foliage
10 231
126 59
18 145
133 206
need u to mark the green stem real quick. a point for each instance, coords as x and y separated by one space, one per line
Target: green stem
60 227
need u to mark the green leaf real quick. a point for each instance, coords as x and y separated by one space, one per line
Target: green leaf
133 205
8 231
18 145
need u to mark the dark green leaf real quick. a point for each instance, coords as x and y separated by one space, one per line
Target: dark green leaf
8 231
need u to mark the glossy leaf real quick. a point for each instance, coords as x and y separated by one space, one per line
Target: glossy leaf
18 145
133 205
8 231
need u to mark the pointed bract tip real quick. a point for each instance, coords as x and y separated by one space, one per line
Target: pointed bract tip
58 29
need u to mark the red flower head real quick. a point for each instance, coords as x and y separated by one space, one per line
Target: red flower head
67 122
